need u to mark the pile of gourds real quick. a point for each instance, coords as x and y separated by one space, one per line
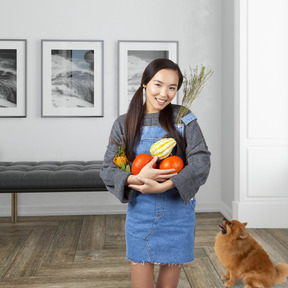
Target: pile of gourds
162 149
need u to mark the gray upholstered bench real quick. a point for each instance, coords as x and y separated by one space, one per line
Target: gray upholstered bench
49 176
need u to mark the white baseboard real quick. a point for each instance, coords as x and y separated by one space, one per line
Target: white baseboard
73 210
65 210
207 206
269 214
221 207
88 210
50 204
5 211
73 203
226 211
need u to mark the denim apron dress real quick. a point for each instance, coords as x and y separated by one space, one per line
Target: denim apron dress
159 228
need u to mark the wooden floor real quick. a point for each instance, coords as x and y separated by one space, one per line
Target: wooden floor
89 251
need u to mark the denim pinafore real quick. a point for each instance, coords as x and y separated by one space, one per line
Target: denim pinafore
159 228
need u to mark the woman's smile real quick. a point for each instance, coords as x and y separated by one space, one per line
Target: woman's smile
161 90
161 101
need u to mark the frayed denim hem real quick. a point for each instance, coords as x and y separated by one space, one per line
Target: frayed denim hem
156 263
135 262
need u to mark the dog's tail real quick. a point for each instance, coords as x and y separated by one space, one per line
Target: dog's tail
281 272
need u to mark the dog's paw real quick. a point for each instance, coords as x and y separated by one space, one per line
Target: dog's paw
229 284
225 277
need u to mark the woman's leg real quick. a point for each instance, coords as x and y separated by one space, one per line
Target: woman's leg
168 276
142 275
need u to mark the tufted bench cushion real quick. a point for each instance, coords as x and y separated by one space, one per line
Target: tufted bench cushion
50 176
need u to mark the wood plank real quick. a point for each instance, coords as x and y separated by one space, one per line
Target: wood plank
115 232
101 255
201 274
209 216
50 219
9 248
281 235
99 274
199 253
210 252
48 283
5 220
183 281
82 270
275 250
89 251
202 240
31 255
64 243
14 232
21 229
92 235
92 281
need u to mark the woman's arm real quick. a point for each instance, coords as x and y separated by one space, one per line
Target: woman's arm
151 180
149 186
196 170
114 178
151 173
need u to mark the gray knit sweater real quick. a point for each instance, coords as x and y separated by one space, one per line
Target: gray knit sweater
187 181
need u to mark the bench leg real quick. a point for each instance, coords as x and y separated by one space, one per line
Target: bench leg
14 207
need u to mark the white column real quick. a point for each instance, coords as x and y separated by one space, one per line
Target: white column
261 113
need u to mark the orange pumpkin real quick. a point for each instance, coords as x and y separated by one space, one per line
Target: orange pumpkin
172 162
140 161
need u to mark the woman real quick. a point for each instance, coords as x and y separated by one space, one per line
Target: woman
160 221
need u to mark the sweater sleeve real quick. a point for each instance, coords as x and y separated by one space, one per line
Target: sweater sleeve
113 177
197 166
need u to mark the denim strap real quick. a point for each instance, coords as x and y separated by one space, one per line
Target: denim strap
188 118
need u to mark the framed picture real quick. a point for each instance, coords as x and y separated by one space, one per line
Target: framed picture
72 78
13 81
134 56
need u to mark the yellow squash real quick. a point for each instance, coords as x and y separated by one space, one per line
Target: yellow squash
162 148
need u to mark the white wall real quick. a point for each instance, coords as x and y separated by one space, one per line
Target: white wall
195 24
261 113
227 107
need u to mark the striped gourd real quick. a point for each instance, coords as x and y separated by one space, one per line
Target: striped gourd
162 148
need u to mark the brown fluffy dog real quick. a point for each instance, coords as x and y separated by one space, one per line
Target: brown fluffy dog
245 259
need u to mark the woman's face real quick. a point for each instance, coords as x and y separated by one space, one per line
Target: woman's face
161 90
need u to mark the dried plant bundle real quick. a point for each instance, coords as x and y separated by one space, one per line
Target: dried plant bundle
192 87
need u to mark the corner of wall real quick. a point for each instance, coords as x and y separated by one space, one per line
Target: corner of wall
227 107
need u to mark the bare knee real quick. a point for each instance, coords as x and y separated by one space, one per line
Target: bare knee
142 275
168 276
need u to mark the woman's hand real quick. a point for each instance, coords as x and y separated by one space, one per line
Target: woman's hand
149 186
156 174
147 180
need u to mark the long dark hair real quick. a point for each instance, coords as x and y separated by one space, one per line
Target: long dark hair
136 110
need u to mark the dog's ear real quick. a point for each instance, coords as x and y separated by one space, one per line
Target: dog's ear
245 224
243 233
